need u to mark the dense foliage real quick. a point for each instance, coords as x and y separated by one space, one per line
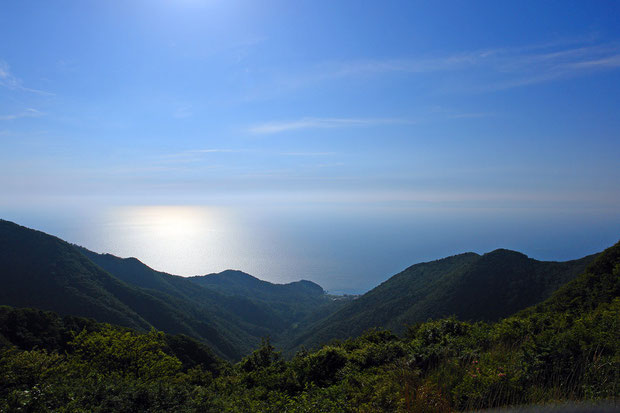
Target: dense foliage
470 286
567 348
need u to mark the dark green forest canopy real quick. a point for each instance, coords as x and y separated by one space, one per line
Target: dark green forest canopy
470 286
265 309
564 349
32 329
231 311
42 271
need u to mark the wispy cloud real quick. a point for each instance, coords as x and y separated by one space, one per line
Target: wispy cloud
510 70
191 155
193 152
475 70
212 150
470 115
196 155
9 81
6 78
27 113
183 111
606 62
320 123
307 153
506 59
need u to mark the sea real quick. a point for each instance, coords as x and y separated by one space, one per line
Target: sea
347 249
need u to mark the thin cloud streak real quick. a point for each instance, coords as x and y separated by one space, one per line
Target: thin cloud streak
492 69
212 151
307 153
321 123
191 152
470 115
183 112
28 113
11 82
609 62
191 155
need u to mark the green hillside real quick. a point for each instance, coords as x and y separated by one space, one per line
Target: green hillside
29 329
600 283
239 283
263 308
230 311
562 352
469 286
42 271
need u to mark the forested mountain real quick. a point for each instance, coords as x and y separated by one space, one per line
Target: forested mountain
273 307
470 286
30 329
239 283
229 282
565 349
599 284
232 310
42 271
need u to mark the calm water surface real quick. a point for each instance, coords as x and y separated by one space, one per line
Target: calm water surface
344 249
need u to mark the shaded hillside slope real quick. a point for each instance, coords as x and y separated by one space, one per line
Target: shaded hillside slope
470 286
253 316
598 284
42 271
293 302
267 309
32 329
566 349
239 283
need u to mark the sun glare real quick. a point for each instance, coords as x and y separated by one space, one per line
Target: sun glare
171 222
173 238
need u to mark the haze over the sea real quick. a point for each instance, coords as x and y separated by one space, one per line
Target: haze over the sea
345 249
333 141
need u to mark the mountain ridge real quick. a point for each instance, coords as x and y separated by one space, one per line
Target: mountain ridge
564 349
473 287
232 310
43 271
271 307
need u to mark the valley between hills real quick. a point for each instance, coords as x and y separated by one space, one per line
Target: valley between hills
84 330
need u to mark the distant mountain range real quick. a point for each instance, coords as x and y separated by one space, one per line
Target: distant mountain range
563 349
263 308
45 272
232 310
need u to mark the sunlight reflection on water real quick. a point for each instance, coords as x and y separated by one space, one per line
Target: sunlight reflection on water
181 237
343 249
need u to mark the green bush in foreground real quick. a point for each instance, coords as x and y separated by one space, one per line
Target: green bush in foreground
553 352
442 365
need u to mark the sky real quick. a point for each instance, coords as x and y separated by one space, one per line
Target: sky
323 112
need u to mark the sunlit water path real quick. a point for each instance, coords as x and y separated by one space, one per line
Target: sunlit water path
343 249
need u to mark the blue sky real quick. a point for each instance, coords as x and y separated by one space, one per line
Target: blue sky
195 99
456 104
